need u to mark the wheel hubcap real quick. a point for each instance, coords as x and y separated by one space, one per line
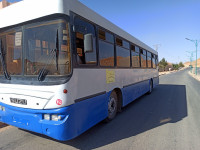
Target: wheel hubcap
111 105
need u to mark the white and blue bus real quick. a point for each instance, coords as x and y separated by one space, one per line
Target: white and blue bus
64 68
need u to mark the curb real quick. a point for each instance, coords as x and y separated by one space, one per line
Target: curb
194 76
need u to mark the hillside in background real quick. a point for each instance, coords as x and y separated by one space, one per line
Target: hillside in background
193 63
5 3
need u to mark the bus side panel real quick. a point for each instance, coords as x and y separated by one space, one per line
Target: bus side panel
85 114
132 92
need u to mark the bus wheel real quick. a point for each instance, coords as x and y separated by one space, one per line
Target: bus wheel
150 87
112 106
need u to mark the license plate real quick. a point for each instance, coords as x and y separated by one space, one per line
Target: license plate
18 101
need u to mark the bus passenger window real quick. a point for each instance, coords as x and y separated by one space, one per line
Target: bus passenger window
143 58
156 61
80 48
106 49
153 62
123 53
135 54
82 27
149 60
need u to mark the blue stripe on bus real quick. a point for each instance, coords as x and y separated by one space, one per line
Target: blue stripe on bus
134 91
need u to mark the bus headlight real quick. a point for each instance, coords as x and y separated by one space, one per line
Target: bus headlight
55 117
52 117
47 117
2 108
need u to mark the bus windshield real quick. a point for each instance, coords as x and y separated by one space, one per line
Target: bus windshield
38 48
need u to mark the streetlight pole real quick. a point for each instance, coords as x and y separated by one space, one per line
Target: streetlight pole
196 45
157 46
191 52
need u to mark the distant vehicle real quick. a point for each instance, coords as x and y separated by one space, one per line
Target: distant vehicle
65 68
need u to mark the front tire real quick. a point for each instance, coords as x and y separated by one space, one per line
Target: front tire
112 106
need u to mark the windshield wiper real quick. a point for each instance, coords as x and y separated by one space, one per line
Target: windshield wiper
5 72
43 72
57 49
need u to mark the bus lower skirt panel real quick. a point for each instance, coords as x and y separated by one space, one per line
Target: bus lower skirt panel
134 91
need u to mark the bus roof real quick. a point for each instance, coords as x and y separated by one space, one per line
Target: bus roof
32 9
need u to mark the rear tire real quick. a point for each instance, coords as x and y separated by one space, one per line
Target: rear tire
112 106
150 87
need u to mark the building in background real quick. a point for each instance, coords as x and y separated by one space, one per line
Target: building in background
4 3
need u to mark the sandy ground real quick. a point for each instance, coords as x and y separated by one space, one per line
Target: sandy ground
168 72
165 72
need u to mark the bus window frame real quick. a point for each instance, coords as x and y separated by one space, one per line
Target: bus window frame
129 49
114 66
148 52
142 50
98 66
75 63
131 44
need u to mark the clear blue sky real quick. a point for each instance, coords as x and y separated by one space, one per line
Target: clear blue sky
165 22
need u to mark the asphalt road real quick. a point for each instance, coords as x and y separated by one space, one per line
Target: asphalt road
168 119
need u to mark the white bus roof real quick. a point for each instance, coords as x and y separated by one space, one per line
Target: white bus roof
32 9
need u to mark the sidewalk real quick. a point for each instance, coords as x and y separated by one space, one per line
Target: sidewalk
194 76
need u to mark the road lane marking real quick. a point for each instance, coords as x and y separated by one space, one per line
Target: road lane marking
165 120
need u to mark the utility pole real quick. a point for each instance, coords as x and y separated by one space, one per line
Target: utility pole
157 46
191 56
196 42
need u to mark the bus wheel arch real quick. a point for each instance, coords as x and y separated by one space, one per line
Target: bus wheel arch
114 104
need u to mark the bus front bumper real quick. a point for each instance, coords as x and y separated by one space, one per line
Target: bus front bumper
33 120
75 119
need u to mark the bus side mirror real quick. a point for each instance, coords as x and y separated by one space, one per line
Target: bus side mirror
88 43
